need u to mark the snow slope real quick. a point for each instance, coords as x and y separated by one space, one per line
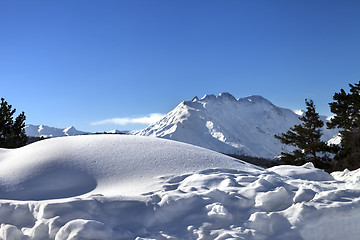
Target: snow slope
99 164
244 126
46 131
132 187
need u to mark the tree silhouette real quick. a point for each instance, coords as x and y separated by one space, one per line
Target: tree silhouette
306 137
346 107
12 132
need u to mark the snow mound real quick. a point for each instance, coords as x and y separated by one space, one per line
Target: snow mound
130 187
100 164
305 172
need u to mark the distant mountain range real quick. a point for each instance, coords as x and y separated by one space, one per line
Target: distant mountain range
46 131
244 126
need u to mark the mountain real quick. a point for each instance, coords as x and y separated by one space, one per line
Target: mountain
46 131
117 131
244 126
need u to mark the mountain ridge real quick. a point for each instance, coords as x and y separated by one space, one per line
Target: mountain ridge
46 131
223 123
241 126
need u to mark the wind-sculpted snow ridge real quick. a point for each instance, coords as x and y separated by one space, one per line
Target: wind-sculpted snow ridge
244 126
130 187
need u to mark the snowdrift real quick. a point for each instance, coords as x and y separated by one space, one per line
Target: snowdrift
131 187
100 164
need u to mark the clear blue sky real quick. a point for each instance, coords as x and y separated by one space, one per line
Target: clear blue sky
76 62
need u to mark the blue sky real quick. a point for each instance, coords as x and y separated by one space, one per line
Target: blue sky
79 62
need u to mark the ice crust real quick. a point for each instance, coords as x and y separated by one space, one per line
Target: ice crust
131 187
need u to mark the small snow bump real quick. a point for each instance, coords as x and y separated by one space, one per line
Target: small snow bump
309 165
329 118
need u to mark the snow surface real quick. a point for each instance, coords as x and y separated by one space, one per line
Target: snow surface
99 164
335 140
222 123
132 187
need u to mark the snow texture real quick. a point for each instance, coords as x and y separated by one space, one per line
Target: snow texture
222 123
132 187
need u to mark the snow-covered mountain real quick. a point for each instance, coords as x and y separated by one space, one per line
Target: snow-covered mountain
225 124
117 131
46 131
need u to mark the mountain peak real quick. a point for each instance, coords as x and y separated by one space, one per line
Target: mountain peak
226 95
46 131
208 97
212 97
225 124
257 99
195 99
69 128
117 131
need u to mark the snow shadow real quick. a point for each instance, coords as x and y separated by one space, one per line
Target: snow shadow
52 184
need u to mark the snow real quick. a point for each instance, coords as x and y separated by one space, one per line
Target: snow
133 187
244 126
335 140
299 112
98 164
46 131
307 172
117 131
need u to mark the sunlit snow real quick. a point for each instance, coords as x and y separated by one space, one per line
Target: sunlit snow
131 187
244 126
299 112
46 131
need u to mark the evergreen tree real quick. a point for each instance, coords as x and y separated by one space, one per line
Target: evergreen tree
306 138
346 107
12 133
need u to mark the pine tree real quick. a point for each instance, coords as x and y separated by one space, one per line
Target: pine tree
12 133
306 137
346 107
